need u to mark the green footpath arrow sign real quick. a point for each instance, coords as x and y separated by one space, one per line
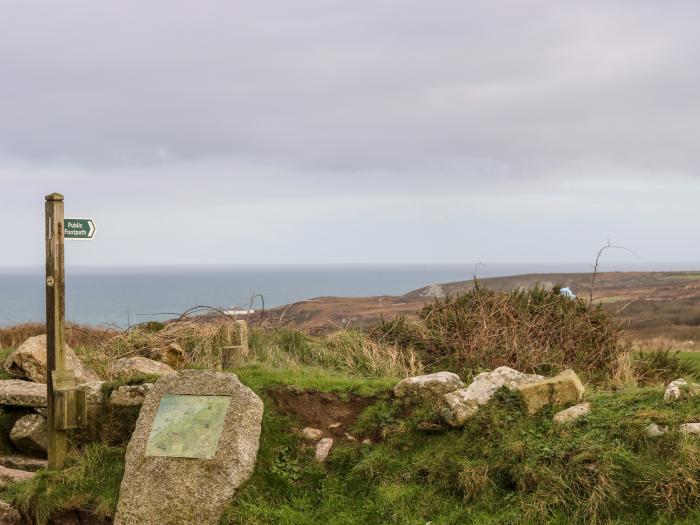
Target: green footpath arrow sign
79 229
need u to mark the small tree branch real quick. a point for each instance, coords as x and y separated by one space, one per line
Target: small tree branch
608 246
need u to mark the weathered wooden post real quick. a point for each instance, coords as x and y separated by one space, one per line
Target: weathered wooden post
232 356
66 406
55 314
236 351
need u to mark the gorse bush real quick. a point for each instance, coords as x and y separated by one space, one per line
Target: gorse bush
533 331
663 365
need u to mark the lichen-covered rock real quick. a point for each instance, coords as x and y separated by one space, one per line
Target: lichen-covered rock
29 362
133 366
673 390
172 355
654 430
111 418
20 462
680 389
435 384
95 409
462 404
20 393
572 413
30 435
323 449
312 434
561 390
689 428
12 475
168 490
129 395
459 407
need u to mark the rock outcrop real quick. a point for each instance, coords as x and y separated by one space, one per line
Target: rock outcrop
30 435
689 428
19 393
462 404
312 434
435 384
172 355
323 449
12 475
173 488
20 462
129 395
680 389
655 430
112 418
561 390
572 413
673 390
134 366
29 362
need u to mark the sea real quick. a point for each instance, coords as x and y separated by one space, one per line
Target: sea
123 296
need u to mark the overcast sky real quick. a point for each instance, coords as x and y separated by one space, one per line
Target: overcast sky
338 132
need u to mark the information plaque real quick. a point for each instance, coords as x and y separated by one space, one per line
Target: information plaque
187 426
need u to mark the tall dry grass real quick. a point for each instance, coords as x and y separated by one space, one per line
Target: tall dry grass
348 351
201 341
76 335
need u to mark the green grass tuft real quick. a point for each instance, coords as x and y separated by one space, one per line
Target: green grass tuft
90 480
261 377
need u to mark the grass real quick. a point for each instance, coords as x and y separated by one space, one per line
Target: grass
683 277
348 351
4 352
611 299
503 467
261 377
662 365
690 356
90 480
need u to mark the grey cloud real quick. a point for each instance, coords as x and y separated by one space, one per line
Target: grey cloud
471 90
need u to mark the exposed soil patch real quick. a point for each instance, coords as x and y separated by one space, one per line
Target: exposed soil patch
320 409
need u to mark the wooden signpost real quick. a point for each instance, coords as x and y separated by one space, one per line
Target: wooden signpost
66 405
